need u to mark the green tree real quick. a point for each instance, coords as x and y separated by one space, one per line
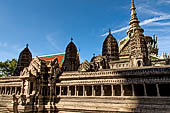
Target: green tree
7 67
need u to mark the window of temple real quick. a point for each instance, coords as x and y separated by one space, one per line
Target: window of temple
164 89
57 90
138 90
139 63
151 90
64 90
88 90
107 90
80 90
72 89
97 90
117 90
127 90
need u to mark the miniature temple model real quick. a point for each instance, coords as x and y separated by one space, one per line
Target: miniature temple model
127 77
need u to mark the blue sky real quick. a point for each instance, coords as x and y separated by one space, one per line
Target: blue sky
48 25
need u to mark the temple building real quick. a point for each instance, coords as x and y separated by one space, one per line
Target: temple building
128 77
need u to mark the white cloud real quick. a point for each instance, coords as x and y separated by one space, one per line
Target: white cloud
160 24
3 44
145 22
146 9
118 30
165 1
154 19
52 42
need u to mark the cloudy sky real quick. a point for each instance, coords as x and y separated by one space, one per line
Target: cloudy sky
48 25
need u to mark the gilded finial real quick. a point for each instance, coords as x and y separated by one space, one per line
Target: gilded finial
134 22
133 4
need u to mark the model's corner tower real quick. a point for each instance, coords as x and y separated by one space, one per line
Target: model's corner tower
138 45
71 61
110 48
24 60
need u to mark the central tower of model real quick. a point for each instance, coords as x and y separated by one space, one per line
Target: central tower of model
138 47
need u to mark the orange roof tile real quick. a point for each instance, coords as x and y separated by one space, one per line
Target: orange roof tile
60 58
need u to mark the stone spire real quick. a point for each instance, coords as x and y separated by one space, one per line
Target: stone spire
24 60
138 47
134 18
134 22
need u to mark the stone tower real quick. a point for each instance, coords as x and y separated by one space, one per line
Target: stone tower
24 60
110 48
71 61
138 46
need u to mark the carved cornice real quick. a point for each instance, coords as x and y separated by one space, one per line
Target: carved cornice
151 80
123 73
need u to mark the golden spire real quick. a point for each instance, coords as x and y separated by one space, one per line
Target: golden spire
134 18
134 22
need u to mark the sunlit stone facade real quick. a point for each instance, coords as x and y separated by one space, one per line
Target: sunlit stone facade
125 78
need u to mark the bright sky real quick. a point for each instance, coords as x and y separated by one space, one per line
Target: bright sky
48 25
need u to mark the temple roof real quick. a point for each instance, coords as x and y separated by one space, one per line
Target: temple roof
123 42
60 57
110 47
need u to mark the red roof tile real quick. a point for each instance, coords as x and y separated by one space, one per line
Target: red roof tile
60 58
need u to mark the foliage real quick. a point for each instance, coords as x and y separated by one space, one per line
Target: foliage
7 67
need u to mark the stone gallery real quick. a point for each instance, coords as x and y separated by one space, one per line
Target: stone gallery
129 76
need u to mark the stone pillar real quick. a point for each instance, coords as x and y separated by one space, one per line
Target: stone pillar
60 91
83 90
102 90
113 91
15 90
133 90
5 90
93 90
55 90
75 91
68 91
145 93
23 86
0 90
122 91
10 91
157 88
40 90
28 87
